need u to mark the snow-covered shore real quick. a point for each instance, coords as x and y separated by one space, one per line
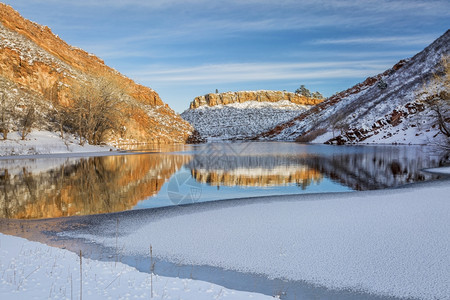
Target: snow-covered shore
31 270
45 142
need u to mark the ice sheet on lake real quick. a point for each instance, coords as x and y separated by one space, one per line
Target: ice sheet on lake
393 242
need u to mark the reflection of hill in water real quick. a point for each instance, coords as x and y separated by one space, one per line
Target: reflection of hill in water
375 170
371 168
87 186
262 171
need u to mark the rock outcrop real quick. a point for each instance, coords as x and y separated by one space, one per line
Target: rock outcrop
35 59
244 96
242 115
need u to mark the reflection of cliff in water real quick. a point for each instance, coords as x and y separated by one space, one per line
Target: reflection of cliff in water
262 171
87 186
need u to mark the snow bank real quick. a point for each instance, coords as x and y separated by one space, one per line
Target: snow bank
45 142
391 242
31 270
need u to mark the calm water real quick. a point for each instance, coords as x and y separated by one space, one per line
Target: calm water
36 193
58 187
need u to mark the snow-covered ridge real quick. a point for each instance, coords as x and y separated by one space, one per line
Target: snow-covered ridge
240 120
361 109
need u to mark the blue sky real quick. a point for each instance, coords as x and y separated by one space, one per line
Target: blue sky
188 48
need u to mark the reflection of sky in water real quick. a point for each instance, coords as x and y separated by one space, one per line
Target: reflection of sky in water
213 193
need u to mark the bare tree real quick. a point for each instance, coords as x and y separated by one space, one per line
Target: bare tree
96 111
437 96
60 112
4 118
60 115
7 107
27 120
338 123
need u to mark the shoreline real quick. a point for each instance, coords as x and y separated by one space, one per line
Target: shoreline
46 144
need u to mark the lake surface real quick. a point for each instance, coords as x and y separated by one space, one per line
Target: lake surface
54 187
47 199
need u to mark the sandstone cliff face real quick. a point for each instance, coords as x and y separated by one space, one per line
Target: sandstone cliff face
244 96
32 57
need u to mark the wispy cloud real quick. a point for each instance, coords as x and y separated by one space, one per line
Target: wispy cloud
404 5
247 72
394 40
250 15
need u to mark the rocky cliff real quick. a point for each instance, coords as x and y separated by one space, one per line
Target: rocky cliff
242 115
244 96
35 60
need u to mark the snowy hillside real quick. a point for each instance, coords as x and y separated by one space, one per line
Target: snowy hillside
387 108
238 121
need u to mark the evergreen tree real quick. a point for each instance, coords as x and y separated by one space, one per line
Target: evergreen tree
303 91
317 95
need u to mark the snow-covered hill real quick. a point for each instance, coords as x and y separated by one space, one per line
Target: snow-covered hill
239 121
387 108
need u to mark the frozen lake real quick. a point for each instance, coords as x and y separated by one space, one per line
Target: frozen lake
114 207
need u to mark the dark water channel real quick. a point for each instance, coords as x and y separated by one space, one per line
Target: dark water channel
42 197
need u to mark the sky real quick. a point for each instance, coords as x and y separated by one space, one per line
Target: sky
187 48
